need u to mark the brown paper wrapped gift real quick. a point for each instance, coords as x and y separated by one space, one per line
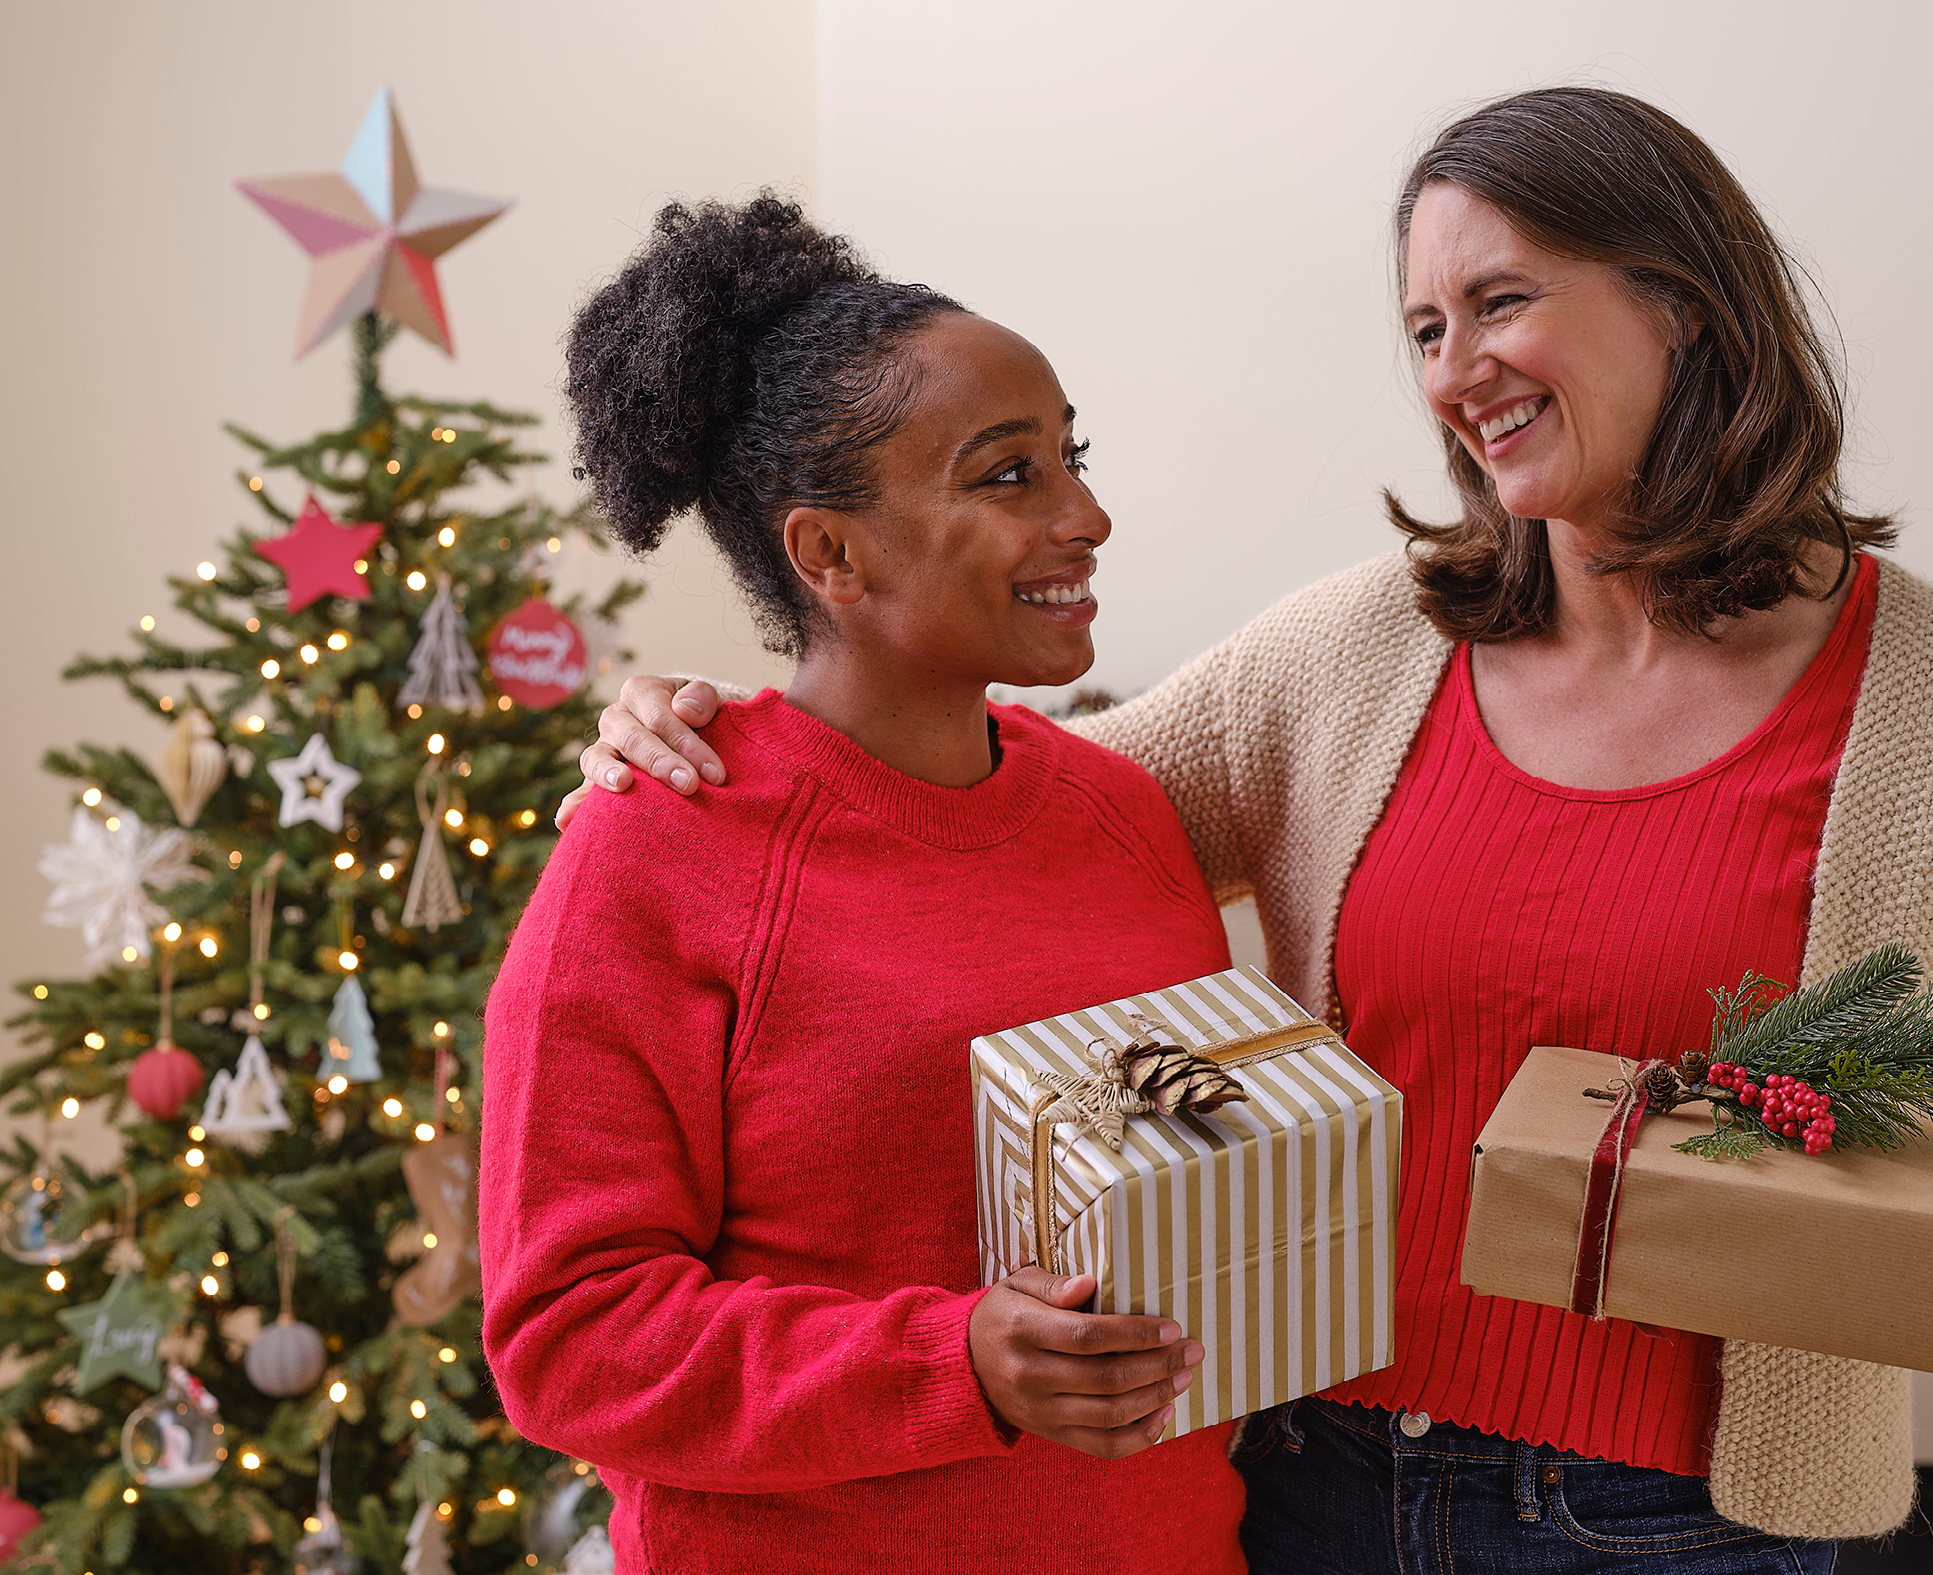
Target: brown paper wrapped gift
1267 1230
1831 1253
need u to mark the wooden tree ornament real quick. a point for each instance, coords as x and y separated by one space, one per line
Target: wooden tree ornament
432 901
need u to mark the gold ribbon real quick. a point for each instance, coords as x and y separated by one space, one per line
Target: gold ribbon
1264 1046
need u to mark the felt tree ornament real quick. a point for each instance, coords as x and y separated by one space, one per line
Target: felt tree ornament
352 1036
442 667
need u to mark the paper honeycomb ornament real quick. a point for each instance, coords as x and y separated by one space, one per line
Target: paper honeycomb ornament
442 667
244 1107
373 233
176 1439
191 765
352 1051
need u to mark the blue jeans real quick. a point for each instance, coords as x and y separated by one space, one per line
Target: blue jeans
1346 1490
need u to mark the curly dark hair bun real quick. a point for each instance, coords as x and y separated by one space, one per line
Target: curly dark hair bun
743 362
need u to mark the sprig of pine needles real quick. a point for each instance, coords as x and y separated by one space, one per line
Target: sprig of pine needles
1864 1036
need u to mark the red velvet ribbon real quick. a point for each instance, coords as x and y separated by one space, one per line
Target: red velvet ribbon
1601 1195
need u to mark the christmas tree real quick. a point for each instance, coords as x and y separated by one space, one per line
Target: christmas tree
287 1244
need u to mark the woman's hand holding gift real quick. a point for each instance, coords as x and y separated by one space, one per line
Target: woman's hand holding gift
1102 1383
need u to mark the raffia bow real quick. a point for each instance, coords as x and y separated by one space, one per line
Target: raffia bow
1132 1079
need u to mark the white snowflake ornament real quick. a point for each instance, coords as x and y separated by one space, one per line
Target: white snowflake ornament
314 784
101 878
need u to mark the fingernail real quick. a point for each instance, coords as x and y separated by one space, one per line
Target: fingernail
1183 1379
711 773
1161 1422
1169 1332
1192 1353
681 779
614 777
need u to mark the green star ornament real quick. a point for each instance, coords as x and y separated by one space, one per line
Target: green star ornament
121 1333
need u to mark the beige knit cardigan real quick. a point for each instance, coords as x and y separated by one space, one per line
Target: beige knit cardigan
1280 747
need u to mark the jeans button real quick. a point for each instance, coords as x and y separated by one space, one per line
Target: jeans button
1414 1423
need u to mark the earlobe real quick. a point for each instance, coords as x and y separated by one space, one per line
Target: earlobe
816 540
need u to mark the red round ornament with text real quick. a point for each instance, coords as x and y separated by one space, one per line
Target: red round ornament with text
163 1079
537 656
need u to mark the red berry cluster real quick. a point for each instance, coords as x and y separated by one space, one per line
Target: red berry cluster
1788 1106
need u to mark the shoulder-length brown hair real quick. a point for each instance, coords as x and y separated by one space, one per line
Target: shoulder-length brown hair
1742 470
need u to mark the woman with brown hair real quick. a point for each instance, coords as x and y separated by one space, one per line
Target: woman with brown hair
1645 716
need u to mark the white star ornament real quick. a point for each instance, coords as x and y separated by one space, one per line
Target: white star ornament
314 785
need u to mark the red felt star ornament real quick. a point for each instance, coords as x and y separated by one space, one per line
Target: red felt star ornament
319 557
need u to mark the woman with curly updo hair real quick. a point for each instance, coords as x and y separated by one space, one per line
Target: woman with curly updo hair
728 1229
1647 714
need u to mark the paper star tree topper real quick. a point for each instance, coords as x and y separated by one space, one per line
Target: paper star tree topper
319 558
372 233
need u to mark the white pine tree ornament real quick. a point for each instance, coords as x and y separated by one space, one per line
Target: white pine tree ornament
352 1036
442 665
243 1108
429 1546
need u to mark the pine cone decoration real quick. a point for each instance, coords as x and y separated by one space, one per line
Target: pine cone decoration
1171 1078
1659 1085
1692 1067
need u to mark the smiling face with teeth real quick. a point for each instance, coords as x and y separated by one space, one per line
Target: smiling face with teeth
1547 369
972 565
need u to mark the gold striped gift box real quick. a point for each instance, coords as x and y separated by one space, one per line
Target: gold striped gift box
1266 1230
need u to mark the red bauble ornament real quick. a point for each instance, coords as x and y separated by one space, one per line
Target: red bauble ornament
318 557
163 1079
537 657
16 1520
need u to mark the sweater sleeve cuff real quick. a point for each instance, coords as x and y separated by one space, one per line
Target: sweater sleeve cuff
947 1416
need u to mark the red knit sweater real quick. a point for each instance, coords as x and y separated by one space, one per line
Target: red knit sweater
1492 912
727 1212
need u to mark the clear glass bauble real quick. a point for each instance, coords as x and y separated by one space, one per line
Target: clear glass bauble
322 1551
175 1440
30 1214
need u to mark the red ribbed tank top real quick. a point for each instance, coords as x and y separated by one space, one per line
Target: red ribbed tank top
1491 912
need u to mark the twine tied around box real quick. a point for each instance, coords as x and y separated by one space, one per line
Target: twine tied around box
1137 1078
